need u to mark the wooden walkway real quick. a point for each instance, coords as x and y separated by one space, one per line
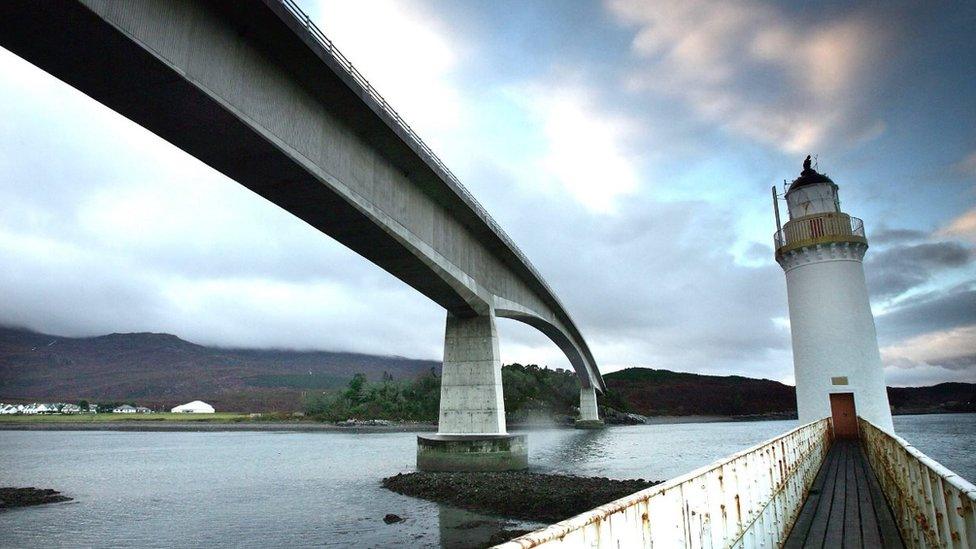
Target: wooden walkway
845 507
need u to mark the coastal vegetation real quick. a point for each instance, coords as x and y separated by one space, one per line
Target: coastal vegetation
532 393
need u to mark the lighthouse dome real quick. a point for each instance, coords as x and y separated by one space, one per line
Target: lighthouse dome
812 193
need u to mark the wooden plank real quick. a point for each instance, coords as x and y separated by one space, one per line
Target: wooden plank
801 527
834 536
870 531
818 526
890 537
852 510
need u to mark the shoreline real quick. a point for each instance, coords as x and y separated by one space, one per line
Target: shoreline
130 425
216 426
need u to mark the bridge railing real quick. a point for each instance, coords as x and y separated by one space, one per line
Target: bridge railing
351 70
749 499
933 506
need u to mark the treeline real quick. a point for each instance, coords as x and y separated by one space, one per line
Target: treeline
530 392
415 400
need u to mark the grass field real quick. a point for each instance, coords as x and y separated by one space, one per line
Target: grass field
95 418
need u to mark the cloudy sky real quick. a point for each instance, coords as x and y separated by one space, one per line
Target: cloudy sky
628 147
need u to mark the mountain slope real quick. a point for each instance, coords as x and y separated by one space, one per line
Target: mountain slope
663 392
162 369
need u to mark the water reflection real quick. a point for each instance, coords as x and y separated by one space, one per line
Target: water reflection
583 445
460 529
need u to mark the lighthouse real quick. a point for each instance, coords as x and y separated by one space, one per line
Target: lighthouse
836 362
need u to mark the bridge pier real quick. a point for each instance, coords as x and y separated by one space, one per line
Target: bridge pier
471 433
589 413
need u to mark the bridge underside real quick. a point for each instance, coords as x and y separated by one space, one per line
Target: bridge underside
246 88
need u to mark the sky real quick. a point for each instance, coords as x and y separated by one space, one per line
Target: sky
627 147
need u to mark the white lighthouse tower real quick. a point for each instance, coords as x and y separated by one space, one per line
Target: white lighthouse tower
836 361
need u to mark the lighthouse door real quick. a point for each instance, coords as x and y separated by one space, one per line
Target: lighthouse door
844 415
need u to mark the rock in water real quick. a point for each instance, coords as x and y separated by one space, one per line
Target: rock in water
23 497
515 494
391 518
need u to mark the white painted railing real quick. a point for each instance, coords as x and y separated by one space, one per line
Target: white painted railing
749 499
932 505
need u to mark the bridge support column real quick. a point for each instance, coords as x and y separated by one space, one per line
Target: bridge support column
471 434
589 413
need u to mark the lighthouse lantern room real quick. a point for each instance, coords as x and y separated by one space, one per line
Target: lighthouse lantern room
836 361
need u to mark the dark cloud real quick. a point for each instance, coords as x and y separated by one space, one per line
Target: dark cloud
893 271
885 236
929 312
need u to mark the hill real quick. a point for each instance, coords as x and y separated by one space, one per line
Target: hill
164 370
663 392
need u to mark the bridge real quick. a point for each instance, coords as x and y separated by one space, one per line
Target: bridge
255 90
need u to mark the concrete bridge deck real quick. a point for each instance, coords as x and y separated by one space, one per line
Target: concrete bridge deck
846 507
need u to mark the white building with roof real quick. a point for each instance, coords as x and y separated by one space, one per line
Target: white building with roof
124 409
195 407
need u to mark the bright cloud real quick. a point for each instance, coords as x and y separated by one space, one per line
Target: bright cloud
585 153
953 349
750 69
405 53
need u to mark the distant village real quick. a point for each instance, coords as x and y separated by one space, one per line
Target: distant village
83 407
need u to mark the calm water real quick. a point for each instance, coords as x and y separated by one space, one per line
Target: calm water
299 489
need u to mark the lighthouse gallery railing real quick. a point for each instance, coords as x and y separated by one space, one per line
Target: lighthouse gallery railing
811 229
933 506
749 499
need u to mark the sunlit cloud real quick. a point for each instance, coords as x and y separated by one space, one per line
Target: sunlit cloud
406 53
963 227
753 71
585 149
953 349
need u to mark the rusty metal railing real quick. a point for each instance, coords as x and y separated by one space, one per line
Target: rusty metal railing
932 505
749 499
815 228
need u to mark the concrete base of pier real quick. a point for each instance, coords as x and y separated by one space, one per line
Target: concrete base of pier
589 411
472 452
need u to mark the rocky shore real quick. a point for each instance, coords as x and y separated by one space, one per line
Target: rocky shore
515 494
24 497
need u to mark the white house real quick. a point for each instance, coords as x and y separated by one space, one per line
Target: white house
71 409
195 407
143 410
46 409
124 409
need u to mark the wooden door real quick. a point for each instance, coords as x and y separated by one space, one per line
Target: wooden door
844 415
